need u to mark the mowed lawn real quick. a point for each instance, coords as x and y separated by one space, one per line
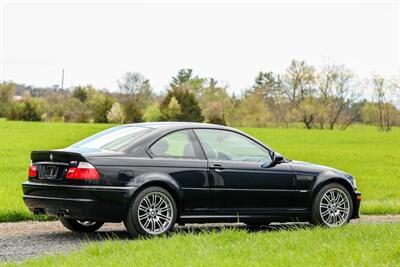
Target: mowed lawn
352 245
372 157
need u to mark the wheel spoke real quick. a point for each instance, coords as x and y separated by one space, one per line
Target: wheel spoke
164 217
160 225
141 208
147 223
148 204
323 214
323 205
164 209
325 197
143 216
158 204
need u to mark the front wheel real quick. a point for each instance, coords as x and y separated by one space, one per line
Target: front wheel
332 206
81 225
152 212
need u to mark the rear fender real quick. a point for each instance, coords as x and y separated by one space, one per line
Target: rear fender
158 179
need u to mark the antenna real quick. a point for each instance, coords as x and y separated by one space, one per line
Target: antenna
62 80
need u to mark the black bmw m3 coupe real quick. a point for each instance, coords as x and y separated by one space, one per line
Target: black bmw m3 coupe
154 175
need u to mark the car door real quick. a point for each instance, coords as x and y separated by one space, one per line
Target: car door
179 155
241 177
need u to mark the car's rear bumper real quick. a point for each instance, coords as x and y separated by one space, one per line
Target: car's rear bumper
356 204
101 203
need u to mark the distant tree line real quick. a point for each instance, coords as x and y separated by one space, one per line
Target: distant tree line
328 97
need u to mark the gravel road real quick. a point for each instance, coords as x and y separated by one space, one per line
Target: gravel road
23 240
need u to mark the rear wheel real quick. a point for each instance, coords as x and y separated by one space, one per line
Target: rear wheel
152 212
332 206
81 225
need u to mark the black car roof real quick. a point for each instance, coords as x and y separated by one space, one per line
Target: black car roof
177 125
166 126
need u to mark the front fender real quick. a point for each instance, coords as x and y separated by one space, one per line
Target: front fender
330 176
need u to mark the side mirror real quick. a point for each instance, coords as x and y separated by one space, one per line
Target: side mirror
276 159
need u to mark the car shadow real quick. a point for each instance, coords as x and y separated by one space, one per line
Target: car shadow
122 234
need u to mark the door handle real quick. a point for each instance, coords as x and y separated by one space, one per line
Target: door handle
216 167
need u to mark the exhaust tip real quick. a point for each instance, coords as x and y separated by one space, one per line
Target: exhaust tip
62 213
38 211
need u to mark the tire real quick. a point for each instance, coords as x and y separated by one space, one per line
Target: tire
156 209
332 206
81 225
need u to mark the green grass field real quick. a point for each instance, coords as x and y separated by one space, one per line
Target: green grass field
352 245
372 157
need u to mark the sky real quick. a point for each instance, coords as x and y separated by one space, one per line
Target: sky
97 42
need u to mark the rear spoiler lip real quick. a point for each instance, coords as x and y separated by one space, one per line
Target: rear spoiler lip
57 156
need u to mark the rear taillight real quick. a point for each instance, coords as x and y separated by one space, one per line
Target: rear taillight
32 170
84 171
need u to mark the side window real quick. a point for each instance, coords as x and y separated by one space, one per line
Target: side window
226 145
176 144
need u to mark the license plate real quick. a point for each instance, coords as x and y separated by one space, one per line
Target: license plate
50 172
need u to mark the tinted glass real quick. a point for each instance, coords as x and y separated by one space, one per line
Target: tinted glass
115 138
177 144
226 145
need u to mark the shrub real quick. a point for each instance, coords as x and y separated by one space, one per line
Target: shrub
153 113
116 114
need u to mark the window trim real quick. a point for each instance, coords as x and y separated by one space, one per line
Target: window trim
269 151
198 150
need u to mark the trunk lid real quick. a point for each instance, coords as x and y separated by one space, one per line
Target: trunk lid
52 165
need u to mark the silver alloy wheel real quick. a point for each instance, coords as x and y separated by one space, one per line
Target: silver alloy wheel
86 223
155 213
334 207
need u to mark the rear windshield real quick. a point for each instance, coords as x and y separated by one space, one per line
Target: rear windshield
116 138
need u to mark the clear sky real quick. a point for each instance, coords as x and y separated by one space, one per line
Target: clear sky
97 42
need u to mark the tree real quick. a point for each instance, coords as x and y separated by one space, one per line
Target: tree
269 86
299 86
252 110
81 92
385 109
173 111
153 113
116 114
183 89
185 80
299 81
7 91
76 111
28 109
189 108
214 102
99 104
136 95
183 76
336 92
